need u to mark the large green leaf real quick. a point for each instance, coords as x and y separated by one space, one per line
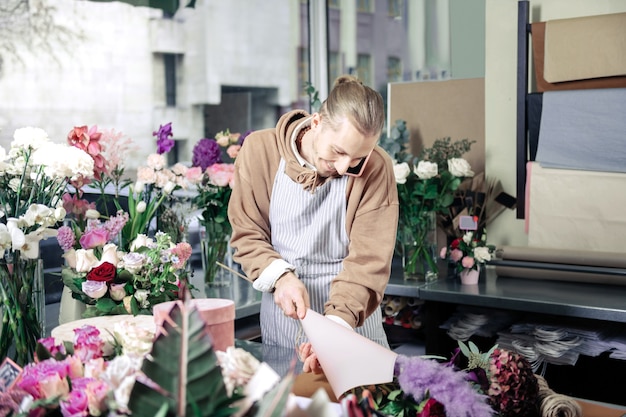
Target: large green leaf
184 367
168 6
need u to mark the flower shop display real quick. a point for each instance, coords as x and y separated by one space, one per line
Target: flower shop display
426 188
216 159
33 176
467 254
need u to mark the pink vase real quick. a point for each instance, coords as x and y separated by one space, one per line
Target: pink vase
470 276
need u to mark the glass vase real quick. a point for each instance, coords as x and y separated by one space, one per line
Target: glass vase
23 307
216 256
417 243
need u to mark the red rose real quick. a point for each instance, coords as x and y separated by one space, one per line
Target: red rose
432 408
104 273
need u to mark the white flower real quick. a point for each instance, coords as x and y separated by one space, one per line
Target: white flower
117 291
169 187
238 367
142 298
135 340
133 262
109 254
63 161
140 241
459 167
426 170
94 289
92 214
141 207
29 137
120 375
401 172
482 254
157 161
467 237
85 260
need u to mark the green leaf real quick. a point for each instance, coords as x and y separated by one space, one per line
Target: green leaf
192 385
275 401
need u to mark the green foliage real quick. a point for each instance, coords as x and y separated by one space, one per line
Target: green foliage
444 149
397 144
186 379
314 100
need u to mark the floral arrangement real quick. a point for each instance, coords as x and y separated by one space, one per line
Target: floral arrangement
468 252
216 159
33 176
110 281
129 375
426 187
499 382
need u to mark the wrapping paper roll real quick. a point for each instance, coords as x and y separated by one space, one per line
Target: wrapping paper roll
562 256
556 405
556 275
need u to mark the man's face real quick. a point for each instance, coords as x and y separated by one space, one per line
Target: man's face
336 151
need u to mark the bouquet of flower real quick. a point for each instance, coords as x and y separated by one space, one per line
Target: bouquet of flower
110 281
33 177
426 187
468 252
216 159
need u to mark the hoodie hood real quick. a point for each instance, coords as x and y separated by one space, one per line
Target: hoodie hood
287 129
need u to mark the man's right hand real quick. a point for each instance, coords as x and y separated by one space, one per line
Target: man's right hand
291 296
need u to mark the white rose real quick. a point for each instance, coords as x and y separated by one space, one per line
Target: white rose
94 289
133 262
169 187
117 291
426 170
459 167
482 254
109 254
401 172
140 241
85 260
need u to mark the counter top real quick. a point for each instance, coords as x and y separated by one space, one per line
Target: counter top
571 299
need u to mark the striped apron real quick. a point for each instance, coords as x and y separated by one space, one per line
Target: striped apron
307 234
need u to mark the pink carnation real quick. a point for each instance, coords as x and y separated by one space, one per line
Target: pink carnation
221 175
467 262
456 255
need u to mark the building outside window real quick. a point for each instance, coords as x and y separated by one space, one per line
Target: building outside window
394 69
364 69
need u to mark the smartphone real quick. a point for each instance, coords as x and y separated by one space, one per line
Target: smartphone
357 170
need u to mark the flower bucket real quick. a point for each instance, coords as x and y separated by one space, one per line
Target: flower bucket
23 309
218 315
469 276
418 246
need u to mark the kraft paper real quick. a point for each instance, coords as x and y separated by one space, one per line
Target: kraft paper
556 275
348 359
561 256
538 37
585 47
580 210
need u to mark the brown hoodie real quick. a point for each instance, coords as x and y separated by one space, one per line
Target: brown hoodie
371 218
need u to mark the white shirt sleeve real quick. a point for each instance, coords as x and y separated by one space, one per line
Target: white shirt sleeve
339 320
266 281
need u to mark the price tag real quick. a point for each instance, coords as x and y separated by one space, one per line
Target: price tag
468 222
9 374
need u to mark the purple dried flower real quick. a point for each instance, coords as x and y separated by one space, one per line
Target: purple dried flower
66 238
206 153
164 143
418 376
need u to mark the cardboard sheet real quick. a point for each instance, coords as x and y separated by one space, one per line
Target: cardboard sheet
580 210
538 46
585 47
556 275
613 259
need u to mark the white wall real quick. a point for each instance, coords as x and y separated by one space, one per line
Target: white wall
500 92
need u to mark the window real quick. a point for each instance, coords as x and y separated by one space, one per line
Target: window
364 6
363 69
333 3
394 69
170 79
394 8
303 68
334 67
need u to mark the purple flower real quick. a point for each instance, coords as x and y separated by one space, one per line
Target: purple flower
206 153
418 376
164 143
244 136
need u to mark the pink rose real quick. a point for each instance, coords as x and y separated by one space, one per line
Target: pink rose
194 175
443 252
467 262
76 404
233 151
94 238
456 255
